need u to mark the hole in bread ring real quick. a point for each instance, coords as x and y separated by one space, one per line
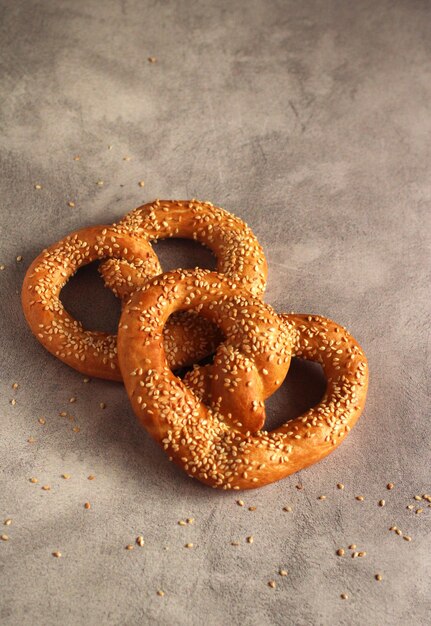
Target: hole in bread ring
199 439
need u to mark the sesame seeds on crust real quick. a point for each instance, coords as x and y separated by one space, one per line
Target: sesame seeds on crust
206 443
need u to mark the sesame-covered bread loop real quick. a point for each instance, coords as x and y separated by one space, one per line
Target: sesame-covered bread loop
238 252
211 445
95 353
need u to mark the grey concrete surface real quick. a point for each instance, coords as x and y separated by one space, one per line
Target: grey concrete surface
310 120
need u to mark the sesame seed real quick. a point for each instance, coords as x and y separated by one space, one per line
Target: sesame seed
340 552
152 59
250 539
38 186
340 486
57 555
355 555
382 503
86 380
182 523
360 498
418 498
362 554
407 538
129 547
322 498
378 577
188 545
19 258
42 421
33 480
288 509
91 477
283 572
390 486
72 400
13 402
272 584
344 596
100 183
141 183
352 546
240 502
399 532
2 267
71 204
4 537
160 593
31 440
102 405
15 386
419 511
76 157
190 520
46 487
87 505
234 543
410 507
140 540
7 522
65 476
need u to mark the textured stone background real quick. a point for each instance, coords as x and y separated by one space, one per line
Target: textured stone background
310 120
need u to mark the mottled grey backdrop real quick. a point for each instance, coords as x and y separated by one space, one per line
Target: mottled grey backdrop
310 120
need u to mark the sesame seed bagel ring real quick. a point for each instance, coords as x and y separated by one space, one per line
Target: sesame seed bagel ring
95 353
199 438
239 254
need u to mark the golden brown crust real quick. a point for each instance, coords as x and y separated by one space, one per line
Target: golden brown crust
95 353
200 439
239 254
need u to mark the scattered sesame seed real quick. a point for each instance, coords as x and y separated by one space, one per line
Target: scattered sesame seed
19 258
362 554
38 186
240 502
410 507
418 498
46 487
272 584
190 520
393 528
407 538
62 414
355 555
7 522
419 511
57 554
382 502
2 266
299 487
344 596
352 546
141 183
100 183
360 498
129 547
322 498
399 532
182 523
76 157
31 440
91 477
102 405
340 486
72 400
110 147
76 429
288 509
152 59
250 539
87 505
33 480
234 543
160 593
252 508
42 421
140 540
15 386
127 158
390 486
283 572
378 577
4 537
65 476
71 204
86 380
188 545
340 552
